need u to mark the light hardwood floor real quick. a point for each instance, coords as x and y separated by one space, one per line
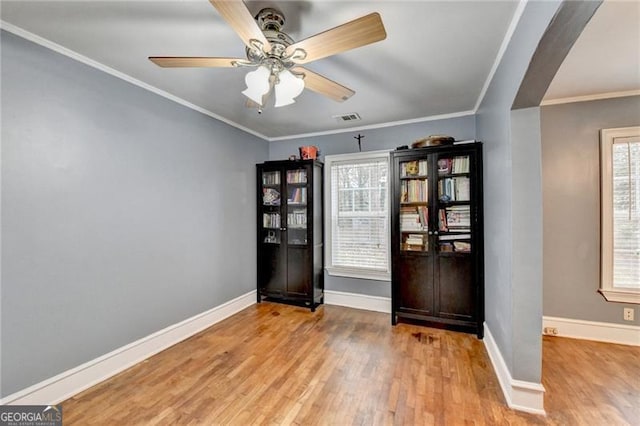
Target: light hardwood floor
278 364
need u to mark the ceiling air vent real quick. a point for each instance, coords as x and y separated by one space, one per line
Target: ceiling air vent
347 117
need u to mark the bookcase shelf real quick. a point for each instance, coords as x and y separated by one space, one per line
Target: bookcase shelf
290 234
420 177
437 237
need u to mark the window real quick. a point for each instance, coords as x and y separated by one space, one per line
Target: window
357 214
620 214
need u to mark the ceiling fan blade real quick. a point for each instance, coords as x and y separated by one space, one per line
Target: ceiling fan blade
193 61
239 18
359 32
324 86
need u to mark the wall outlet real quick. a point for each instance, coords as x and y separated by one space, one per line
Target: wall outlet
551 331
628 314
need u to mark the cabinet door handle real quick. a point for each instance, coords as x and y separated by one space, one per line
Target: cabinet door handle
435 232
283 229
430 232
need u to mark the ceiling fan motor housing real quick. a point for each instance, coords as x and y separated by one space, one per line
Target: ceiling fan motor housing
270 19
270 22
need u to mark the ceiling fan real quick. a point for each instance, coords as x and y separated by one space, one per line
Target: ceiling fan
277 58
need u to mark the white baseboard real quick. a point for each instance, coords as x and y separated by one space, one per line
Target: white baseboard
63 386
590 330
520 395
358 301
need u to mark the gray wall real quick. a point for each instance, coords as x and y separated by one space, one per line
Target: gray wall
571 185
526 245
510 302
374 139
122 213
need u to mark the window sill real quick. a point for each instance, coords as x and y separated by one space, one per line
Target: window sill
621 296
359 273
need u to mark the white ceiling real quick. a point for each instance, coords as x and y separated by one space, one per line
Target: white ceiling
606 57
435 61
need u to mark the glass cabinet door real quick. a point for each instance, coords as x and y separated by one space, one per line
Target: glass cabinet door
454 208
271 207
414 205
296 190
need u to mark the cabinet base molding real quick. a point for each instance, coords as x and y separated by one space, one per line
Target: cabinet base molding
520 395
439 322
620 334
294 301
358 301
71 382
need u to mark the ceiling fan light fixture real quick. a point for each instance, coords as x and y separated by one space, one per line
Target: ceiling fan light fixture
288 88
274 52
257 84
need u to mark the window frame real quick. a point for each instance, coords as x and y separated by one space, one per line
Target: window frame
353 272
607 289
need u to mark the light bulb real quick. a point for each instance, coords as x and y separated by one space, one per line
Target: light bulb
257 84
288 88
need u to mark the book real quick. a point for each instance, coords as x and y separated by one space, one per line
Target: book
454 189
414 191
270 197
462 188
454 237
297 176
460 165
414 218
445 247
423 212
271 178
412 247
442 221
461 246
271 220
458 217
298 196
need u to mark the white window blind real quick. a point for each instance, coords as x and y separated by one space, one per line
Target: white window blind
626 214
359 215
620 214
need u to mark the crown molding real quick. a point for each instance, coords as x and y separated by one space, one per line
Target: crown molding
375 126
503 48
20 32
586 98
27 35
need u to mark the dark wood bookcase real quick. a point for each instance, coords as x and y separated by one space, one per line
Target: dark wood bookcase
437 237
290 232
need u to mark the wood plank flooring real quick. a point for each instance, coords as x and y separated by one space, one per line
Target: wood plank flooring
276 364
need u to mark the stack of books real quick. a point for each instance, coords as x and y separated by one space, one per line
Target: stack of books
414 218
458 218
454 219
414 242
